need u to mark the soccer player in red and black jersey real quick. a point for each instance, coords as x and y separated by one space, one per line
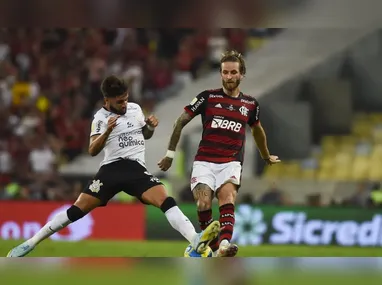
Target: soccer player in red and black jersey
217 168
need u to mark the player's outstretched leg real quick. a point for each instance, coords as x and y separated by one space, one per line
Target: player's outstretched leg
203 197
227 220
157 197
227 196
84 204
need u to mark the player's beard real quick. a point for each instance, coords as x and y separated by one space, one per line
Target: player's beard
232 85
118 112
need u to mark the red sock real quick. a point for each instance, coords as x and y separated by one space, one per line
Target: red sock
227 221
205 218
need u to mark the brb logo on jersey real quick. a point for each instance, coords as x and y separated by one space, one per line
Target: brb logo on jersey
226 125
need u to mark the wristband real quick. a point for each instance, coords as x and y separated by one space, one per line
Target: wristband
170 154
150 128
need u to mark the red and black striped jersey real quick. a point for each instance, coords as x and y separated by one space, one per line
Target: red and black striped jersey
224 120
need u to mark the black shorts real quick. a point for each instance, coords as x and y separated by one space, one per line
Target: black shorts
123 175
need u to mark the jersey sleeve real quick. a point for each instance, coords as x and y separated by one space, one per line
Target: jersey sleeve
254 116
197 105
141 117
98 127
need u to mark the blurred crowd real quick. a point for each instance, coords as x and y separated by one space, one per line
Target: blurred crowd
49 90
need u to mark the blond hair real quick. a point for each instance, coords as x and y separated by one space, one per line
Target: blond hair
234 56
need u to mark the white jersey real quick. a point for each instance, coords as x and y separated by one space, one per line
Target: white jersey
126 140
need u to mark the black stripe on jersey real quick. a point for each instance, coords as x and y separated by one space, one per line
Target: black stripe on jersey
224 133
215 154
213 138
224 159
207 143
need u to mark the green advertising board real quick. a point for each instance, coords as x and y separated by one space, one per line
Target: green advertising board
257 225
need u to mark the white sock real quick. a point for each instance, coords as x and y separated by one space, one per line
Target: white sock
181 223
59 222
223 242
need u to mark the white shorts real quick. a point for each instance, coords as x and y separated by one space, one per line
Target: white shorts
215 174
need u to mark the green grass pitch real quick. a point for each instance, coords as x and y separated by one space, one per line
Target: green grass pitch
175 249
168 270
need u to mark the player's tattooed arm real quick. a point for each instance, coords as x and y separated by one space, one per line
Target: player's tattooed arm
180 123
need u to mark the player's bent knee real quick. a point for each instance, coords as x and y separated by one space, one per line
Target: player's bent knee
87 202
227 195
155 196
74 213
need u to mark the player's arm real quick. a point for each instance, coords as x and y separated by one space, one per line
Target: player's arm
197 106
148 129
147 132
180 123
100 135
260 137
261 142
97 143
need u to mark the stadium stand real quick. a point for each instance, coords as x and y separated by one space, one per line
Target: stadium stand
352 157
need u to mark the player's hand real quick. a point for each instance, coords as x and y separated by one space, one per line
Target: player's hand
111 123
165 163
152 121
273 159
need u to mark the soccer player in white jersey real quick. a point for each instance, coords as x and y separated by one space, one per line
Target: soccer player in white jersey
120 129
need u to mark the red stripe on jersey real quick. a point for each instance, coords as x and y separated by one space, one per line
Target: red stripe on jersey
199 157
217 151
223 139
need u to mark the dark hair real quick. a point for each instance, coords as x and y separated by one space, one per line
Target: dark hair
234 56
112 86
